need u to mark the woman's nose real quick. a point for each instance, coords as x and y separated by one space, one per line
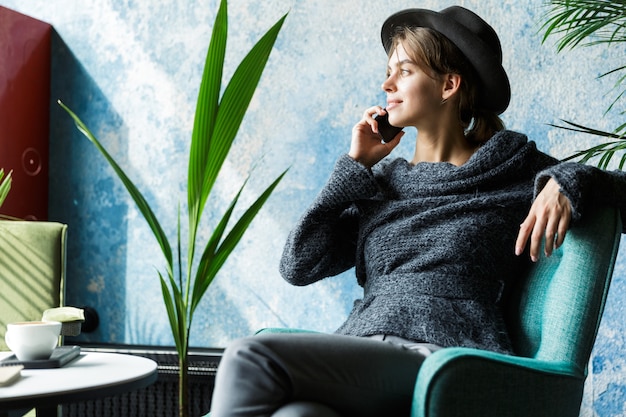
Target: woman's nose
387 85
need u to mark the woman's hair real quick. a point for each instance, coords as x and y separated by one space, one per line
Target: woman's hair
437 56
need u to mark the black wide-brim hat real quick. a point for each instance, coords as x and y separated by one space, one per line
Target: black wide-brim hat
473 36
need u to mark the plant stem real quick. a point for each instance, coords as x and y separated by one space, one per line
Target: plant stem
183 384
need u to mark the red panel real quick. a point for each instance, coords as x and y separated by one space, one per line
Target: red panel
24 112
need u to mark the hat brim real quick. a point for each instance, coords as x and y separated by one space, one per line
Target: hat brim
495 93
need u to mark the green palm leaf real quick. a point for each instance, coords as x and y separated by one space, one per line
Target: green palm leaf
5 185
206 112
213 259
606 150
168 300
227 116
231 110
578 20
235 102
586 23
210 249
136 195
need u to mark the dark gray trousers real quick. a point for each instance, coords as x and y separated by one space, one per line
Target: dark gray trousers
314 374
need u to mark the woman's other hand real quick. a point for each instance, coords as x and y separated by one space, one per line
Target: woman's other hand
367 147
549 216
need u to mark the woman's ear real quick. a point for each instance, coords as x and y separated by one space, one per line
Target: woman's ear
451 84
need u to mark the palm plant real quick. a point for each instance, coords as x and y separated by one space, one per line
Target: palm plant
588 23
215 126
5 185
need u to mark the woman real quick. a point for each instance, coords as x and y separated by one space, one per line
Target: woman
434 241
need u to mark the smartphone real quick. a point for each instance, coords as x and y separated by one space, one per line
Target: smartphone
385 130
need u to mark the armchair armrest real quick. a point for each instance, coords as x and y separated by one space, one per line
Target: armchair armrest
469 382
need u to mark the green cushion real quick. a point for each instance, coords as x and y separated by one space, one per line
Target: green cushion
32 270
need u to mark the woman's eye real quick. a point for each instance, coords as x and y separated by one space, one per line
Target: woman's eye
402 72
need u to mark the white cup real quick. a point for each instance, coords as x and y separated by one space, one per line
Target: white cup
32 340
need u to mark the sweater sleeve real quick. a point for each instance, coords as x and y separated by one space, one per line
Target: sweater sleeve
323 242
586 186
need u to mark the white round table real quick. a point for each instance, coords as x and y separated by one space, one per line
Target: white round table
91 375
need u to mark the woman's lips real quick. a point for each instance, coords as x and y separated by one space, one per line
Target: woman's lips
392 103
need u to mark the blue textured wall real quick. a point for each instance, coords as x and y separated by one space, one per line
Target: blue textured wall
131 69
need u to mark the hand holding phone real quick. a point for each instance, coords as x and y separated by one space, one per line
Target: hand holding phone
385 130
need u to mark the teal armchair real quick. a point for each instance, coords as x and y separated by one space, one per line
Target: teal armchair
554 315
553 319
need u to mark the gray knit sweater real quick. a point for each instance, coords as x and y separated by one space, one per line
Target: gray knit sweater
432 244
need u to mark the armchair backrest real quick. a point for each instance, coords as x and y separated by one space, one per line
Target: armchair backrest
32 270
557 306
